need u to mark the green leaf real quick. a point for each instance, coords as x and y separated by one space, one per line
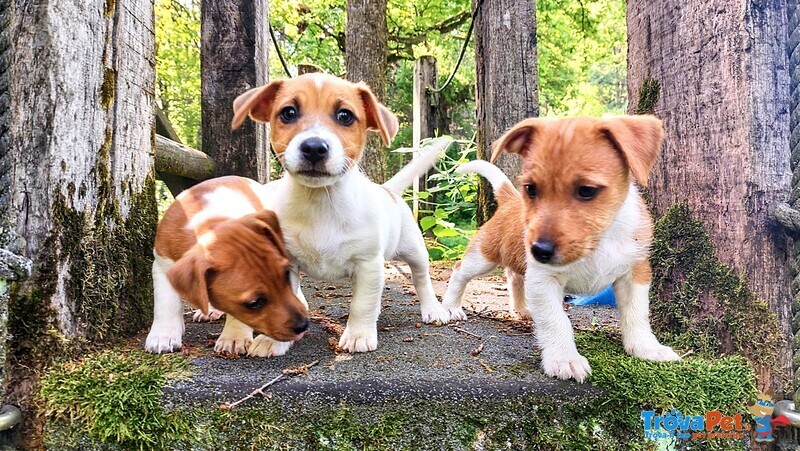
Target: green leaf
427 222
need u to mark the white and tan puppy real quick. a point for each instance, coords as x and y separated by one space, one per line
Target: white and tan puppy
336 222
217 246
577 224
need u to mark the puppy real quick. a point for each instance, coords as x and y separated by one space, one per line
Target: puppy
336 222
217 245
577 224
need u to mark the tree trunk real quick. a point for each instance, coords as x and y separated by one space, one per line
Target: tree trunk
233 59
715 72
507 85
366 41
425 104
77 182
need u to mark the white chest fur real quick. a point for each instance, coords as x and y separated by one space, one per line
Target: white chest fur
617 252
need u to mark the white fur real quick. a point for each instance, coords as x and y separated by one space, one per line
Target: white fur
544 287
235 338
335 164
166 332
348 229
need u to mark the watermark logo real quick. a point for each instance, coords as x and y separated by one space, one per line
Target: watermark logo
715 425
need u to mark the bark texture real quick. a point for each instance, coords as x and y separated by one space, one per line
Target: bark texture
234 58
507 85
716 73
425 116
77 180
367 50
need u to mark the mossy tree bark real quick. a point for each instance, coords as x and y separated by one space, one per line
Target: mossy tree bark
233 59
715 72
78 180
367 50
507 88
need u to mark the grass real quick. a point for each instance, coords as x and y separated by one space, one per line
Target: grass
114 397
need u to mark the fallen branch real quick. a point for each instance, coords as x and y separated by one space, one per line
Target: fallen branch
477 350
464 331
287 372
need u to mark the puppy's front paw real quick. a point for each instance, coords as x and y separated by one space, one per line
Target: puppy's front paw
233 344
521 312
163 340
359 339
653 350
435 312
213 315
457 314
566 365
264 346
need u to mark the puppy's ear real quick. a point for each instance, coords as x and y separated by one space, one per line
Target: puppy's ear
378 116
266 223
257 103
189 277
638 139
517 139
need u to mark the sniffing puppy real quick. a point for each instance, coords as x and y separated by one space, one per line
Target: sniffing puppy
577 224
217 246
336 222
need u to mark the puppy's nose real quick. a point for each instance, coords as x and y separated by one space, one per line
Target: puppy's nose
301 327
543 251
314 149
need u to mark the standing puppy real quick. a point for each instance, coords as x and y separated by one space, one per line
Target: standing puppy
336 222
578 224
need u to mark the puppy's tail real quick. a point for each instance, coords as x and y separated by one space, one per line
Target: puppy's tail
427 157
500 182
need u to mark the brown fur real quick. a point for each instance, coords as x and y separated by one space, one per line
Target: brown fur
559 156
244 260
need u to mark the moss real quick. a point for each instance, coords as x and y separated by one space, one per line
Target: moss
108 87
78 396
113 397
110 7
699 303
648 96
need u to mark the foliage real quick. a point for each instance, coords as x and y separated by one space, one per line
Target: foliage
582 56
114 397
447 207
178 66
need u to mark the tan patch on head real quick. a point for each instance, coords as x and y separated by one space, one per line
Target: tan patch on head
564 158
317 98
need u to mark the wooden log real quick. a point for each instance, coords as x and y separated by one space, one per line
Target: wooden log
424 105
234 58
715 72
77 137
506 82
366 41
176 159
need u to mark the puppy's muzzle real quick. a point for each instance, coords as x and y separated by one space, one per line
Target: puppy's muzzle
301 326
314 150
543 251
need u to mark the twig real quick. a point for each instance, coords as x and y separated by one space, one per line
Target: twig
688 353
485 366
477 350
464 331
287 372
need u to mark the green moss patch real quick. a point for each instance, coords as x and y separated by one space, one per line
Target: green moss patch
114 397
648 96
699 303
692 386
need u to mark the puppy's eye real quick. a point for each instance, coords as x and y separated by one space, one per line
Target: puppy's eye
530 190
256 303
345 117
288 114
587 192
288 275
